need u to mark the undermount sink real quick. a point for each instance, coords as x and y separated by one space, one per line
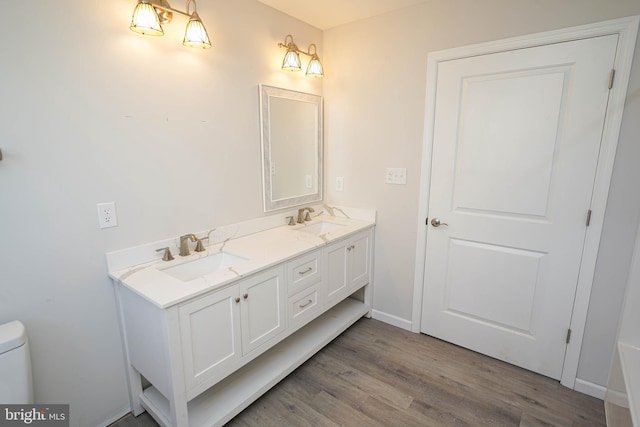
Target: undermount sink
320 227
203 266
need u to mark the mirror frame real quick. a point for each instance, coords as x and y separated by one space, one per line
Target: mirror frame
267 92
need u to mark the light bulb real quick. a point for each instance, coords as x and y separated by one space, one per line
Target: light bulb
196 35
314 69
145 20
291 61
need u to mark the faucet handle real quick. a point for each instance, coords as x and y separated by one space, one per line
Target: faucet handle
199 246
291 221
167 256
307 217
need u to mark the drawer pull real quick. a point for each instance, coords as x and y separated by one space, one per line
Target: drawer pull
237 299
306 303
245 296
306 271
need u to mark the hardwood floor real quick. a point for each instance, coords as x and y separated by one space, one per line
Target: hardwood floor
377 375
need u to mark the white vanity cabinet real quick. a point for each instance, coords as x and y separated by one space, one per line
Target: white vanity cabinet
211 337
262 308
220 327
304 288
348 266
200 360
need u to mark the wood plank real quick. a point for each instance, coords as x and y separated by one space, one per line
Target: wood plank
377 375
436 361
283 409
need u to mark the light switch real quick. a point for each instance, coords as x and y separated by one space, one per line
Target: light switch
339 183
396 176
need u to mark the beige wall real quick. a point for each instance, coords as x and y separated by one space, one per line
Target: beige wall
375 97
92 112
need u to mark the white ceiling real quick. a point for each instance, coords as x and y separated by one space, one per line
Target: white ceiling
326 14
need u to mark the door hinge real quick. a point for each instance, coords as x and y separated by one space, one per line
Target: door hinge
588 217
568 335
426 221
612 77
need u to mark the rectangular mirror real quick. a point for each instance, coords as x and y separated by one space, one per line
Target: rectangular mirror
291 131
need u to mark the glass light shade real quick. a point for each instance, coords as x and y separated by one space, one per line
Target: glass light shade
196 35
314 69
291 61
145 20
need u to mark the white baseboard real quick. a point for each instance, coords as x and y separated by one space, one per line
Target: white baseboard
592 389
618 398
391 319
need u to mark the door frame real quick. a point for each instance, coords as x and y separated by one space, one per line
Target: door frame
627 29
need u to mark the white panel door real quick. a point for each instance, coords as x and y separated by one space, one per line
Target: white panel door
515 149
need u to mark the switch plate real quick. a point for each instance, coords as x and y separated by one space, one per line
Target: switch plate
107 216
396 176
339 183
308 181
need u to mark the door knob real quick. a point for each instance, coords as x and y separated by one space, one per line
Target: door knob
436 222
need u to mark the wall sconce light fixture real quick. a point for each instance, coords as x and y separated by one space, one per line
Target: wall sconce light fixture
291 61
150 14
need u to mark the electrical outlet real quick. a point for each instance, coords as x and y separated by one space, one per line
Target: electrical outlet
107 216
396 176
339 183
308 181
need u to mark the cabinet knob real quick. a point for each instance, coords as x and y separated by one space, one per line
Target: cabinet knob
237 299
245 296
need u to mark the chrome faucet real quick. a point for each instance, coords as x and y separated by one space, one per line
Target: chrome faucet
301 214
184 244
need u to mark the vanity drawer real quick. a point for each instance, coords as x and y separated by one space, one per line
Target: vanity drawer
302 307
303 272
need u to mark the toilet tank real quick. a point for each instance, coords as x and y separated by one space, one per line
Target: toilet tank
16 382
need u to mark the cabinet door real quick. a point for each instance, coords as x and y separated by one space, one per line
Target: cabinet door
263 308
210 335
336 269
359 257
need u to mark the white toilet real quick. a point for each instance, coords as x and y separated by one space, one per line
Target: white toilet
16 381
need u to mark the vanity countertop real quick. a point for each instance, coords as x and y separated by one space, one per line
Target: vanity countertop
261 251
